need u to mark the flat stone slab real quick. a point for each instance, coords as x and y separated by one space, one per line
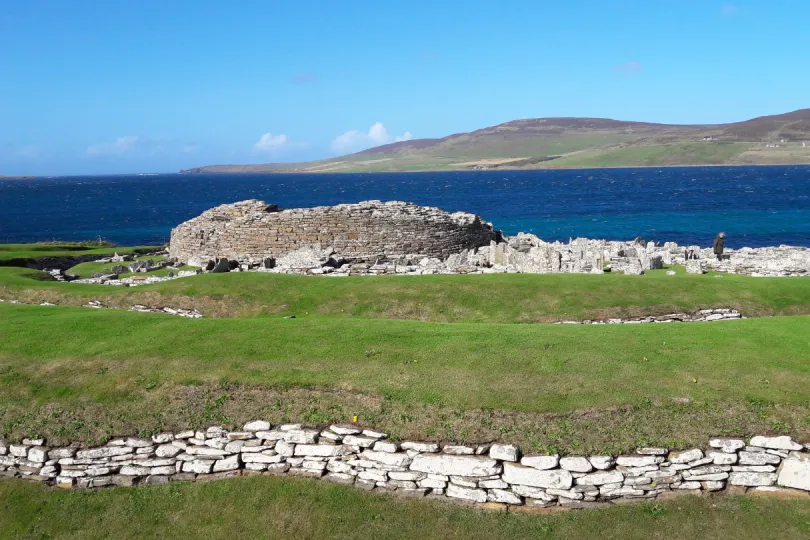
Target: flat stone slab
529 476
449 465
795 472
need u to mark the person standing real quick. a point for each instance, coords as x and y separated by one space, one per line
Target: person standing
719 244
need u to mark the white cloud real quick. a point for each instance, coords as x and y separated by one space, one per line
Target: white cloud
190 148
121 146
354 141
269 142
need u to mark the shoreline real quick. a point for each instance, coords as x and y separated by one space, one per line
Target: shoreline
187 172
617 167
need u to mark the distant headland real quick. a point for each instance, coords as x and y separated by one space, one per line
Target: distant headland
572 143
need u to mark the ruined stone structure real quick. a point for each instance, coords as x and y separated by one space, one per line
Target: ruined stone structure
252 231
366 458
376 238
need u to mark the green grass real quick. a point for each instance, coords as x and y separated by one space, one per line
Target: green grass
20 254
698 153
503 298
468 147
108 363
269 507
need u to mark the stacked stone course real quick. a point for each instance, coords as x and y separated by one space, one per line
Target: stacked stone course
252 231
368 459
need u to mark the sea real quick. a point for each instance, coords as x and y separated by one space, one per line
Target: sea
754 206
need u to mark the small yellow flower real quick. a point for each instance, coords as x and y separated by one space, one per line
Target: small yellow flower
354 418
694 381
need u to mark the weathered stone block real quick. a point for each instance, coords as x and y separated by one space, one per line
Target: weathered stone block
455 465
529 476
795 472
685 456
540 462
776 443
468 494
576 464
752 479
504 452
600 478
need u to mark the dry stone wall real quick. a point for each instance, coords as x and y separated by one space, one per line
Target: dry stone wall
368 459
252 231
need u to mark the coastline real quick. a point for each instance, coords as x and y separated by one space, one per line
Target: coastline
614 167
191 172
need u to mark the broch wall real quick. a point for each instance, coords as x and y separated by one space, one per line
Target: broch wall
251 231
366 458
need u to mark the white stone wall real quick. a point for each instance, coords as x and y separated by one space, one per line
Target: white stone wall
368 459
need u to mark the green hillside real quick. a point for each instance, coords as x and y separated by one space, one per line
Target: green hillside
575 143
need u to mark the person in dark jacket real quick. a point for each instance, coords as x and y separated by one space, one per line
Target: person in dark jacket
719 244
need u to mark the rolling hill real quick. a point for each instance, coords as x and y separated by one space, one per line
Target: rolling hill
575 143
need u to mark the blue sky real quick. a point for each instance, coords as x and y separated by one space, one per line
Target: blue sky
155 86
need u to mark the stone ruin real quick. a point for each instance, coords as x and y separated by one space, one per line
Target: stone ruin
251 232
376 238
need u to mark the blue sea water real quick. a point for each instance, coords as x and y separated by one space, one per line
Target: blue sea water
755 206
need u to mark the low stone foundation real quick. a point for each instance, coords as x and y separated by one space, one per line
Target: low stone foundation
367 459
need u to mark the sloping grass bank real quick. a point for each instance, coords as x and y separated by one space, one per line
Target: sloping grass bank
125 371
22 254
267 507
501 298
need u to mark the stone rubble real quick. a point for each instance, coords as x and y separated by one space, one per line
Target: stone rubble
347 454
704 315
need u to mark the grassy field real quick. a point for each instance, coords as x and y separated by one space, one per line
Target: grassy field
698 153
15 254
86 374
502 298
267 507
577 152
433 357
